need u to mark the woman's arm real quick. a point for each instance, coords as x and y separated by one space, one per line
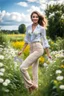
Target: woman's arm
25 45
45 42
47 52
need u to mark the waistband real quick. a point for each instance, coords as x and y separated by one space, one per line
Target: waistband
36 42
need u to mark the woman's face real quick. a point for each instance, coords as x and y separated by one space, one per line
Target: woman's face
35 18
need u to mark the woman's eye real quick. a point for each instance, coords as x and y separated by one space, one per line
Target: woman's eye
35 17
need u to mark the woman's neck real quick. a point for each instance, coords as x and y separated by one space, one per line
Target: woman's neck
35 24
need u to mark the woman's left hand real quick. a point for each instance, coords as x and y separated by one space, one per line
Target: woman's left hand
49 56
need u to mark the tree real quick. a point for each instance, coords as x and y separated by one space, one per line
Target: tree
55 15
22 28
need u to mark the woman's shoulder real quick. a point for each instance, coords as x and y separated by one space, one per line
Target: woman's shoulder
42 28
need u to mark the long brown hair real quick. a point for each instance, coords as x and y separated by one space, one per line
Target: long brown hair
42 20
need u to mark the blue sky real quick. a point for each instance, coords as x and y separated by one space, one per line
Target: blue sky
15 12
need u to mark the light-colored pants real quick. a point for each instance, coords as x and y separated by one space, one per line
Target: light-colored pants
36 50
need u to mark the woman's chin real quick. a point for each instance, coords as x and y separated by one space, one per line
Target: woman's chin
35 22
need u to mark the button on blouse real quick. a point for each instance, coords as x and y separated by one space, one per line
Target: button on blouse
39 34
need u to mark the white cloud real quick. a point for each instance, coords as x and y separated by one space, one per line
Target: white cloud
43 6
17 16
24 4
43 1
2 14
13 19
34 8
31 0
14 16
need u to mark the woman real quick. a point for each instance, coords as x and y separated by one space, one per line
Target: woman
34 35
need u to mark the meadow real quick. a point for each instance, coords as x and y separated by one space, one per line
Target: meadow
51 72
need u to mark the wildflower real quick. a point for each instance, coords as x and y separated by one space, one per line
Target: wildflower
1 64
50 60
1 80
62 66
1 49
62 60
1 74
7 81
52 42
41 59
61 86
1 45
1 57
58 71
2 70
5 84
6 90
55 81
45 64
59 78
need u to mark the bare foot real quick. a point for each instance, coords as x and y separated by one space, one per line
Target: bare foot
33 87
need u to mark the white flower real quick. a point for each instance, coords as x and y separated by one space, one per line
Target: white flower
3 42
1 80
1 49
58 71
1 45
50 60
62 60
1 64
51 15
59 78
62 16
61 86
45 64
1 74
6 90
7 81
1 57
2 70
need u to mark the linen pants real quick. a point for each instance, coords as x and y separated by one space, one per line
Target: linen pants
36 50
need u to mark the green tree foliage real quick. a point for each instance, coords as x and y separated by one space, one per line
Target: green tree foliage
22 28
55 15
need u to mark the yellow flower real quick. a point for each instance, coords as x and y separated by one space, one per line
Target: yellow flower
18 44
62 66
48 62
55 82
52 42
41 59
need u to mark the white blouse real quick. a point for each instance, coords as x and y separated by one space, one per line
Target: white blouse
39 34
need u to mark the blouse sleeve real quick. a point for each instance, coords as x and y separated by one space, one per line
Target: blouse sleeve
44 39
26 36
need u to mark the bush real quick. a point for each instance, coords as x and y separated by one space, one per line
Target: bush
55 15
4 40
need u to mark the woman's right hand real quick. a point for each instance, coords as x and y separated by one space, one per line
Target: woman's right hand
19 53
